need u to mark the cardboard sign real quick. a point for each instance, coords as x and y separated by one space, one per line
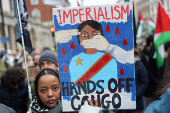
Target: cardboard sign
96 56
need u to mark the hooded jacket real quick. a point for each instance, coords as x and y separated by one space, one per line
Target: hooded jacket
16 99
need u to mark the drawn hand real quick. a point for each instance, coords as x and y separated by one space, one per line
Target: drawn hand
65 35
98 42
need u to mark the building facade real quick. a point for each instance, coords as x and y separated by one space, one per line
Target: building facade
148 8
39 23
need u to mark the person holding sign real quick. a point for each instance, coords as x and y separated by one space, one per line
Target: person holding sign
47 91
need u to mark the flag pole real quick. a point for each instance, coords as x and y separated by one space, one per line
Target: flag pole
21 33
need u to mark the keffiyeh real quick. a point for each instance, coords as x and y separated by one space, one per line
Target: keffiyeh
36 108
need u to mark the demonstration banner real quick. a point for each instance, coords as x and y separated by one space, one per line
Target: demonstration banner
96 56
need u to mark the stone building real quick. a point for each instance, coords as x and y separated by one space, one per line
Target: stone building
39 23
148 8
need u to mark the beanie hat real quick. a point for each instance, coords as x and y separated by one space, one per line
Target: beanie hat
48 56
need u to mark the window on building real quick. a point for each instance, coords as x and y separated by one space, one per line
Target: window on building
36 13
34 2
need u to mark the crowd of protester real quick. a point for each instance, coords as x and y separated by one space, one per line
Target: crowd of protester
151 83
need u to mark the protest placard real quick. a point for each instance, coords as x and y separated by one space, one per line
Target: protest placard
96 56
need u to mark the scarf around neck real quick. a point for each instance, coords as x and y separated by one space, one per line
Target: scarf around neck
36 108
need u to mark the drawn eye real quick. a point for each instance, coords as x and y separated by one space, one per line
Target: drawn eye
84 34
97 33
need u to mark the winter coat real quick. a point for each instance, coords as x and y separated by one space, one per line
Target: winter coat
161 105
142 83
6 109
16 99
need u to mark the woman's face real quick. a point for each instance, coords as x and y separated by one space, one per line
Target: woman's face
49 90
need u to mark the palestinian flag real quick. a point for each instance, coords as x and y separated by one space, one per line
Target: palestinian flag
130 1
161 35
151 26
140 26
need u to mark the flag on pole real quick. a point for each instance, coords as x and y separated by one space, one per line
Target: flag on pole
151 26
134 23
24 18
78 4
55 3
140 26
161 35
130 1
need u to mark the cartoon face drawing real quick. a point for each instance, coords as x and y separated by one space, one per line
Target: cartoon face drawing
88 30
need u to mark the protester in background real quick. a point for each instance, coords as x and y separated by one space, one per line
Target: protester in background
46 48
14 89
6 109
18 56
48 60
3 67
2 52
167 49
142 82
8 57
21 61
36 58
37 52
154 74
162 103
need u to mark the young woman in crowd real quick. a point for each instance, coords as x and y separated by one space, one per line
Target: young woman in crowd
47 91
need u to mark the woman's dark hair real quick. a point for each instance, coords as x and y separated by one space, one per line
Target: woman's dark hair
165 82
92 23
13 76
42 72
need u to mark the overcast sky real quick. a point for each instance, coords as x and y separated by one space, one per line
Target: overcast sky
92 2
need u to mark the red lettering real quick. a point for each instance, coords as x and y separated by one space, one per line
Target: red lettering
117 11
59 16
106 14
75 13
67 15
87 13
125 11
95 13
80 14
112 12
100 13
